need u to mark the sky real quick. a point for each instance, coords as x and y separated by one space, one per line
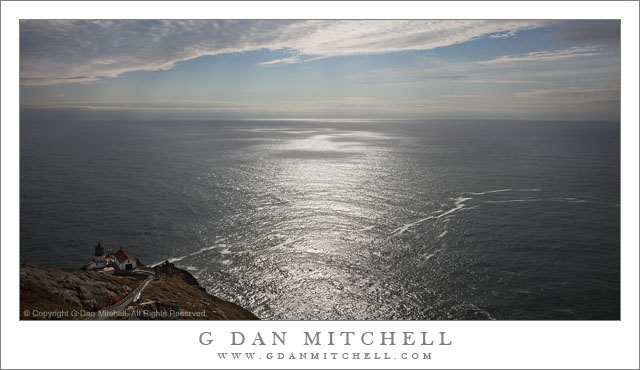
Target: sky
356 69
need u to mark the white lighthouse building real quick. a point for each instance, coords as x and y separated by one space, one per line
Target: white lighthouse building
98 257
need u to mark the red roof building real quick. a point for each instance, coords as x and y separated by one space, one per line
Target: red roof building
124 260
99 249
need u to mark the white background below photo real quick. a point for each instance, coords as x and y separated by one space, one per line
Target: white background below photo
474 344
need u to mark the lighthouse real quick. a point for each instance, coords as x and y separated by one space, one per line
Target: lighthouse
99 255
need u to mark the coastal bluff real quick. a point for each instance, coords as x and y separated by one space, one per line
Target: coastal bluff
170 294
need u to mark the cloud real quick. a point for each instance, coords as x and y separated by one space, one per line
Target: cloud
155 105
298 105
445 77
58 51
506 81
293 59
572 95
545 56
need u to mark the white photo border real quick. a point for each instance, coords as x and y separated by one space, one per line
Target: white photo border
502 344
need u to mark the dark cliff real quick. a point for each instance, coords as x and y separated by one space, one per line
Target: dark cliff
173 294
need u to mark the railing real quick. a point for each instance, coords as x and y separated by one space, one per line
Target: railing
125 302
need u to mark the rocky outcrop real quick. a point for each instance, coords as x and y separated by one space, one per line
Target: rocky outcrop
170 270
89 291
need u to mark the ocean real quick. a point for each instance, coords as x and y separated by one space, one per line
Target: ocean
329 220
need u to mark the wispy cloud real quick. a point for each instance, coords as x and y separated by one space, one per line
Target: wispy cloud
352 102
545 56
293 59
58 51
573 95
481 72
155 105
500 81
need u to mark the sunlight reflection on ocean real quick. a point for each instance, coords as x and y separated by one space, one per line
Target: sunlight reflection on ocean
358 220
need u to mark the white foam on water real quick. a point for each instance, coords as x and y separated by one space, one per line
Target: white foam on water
428 257
443 234
478 309
513 201
201 250
459 204
225 262
489 192
207 249
288 241
367 228
172 260
406 227
569 200
536 189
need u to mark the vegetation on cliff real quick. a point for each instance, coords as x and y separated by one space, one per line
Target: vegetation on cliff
48 293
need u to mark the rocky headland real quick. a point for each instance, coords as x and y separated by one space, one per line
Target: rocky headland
170 294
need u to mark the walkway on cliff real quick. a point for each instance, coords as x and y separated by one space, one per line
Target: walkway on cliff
134 296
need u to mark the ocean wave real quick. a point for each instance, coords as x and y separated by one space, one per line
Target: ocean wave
513 201
475 308
201 250
458 202
400 230
489 192
569 200
367 228
286 242
429 256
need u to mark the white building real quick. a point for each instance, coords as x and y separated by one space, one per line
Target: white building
98 257
124 260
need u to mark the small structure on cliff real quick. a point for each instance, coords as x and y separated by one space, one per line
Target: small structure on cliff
123 260
110 263
98 258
